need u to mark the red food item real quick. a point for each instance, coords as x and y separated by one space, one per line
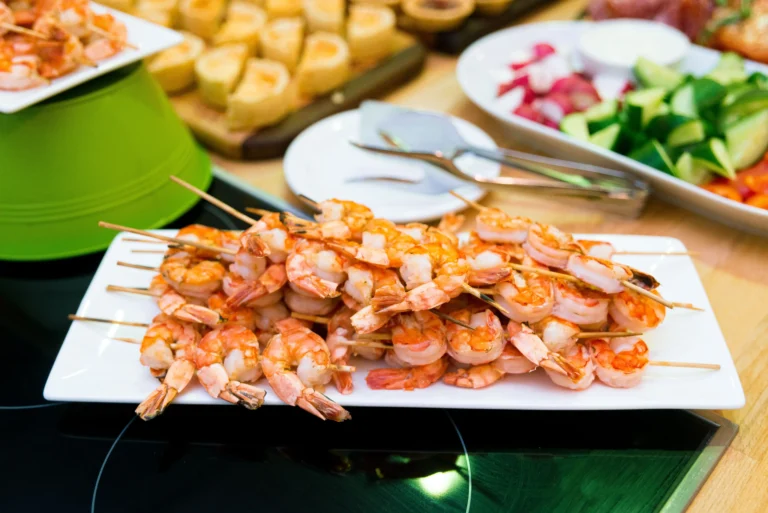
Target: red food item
551 124
758 184
516 66
628 87
541 50
528 112
522 80
723 189
689 16
528 95
555 106
580 91
759 201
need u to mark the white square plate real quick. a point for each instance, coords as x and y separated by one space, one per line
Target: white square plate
478 72
91 367
147 37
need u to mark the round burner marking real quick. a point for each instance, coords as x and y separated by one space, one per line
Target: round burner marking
466 457
104 464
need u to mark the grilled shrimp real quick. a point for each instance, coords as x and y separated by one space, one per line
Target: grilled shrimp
481 345
407 378
549 246
419 338
634 312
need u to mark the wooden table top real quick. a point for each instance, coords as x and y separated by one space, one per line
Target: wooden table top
733 266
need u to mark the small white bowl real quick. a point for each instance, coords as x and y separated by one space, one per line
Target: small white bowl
612 47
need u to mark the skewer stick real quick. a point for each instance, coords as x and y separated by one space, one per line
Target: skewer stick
258 211
375 336
125 339
663 253
137 266
342 368
452 319
148 241
131 290
210 199
688 306
73 317
468 201
544 272
155 251
313 318
22 30
607 334
648 294
363 343
108 35
483 297
687 365
183 242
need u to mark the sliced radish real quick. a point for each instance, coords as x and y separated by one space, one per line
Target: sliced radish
528 95
555 106
520 80
611 87
528 112
551 124
541 50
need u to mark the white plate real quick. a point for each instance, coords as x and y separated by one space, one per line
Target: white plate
91 367
148 37
478 73
320 162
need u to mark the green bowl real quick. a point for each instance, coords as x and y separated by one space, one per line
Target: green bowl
101 151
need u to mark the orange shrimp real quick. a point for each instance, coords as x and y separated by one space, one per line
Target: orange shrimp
481 345
409 378
635 312
619 364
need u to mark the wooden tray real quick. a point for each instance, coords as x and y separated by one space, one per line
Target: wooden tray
210 127
477 26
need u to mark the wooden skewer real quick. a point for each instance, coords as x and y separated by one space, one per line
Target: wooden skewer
125 339
73 317
687 365
607 334
22 30
544 272
342 368
375 336
258 211
108 35
137 266
363 343
145 233
155 251
451 319
483 297
148 241
687 306
468 201
313 318
131 290
207 197
663 253
648 294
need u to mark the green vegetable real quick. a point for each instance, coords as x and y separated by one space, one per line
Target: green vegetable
608 137
734 91
729 70
683 102
759 79
744 105
688 133
651 74
601 115
686 168
575 125
713 155
642 106
661 126
747 139
695 98
653 154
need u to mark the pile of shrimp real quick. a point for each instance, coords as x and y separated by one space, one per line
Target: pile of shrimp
41 40
295 301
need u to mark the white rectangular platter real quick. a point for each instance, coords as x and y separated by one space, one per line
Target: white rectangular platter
478 72
91 367
147 37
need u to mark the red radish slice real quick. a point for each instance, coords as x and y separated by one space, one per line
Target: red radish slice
542 50
517 66
528 112
555 106
521 80
528 95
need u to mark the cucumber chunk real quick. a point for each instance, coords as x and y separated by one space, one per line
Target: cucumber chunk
686 168
651 74
601 115
575 125
713 155
608 137
661 126
642 106
747 139
743 106
653 154
687 133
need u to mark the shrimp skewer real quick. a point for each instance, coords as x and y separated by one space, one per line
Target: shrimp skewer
619 363
578 357
531 346
511 361
482 345
419 338
407 378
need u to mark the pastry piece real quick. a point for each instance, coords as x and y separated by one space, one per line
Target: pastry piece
162 18
370 31
120 5
389 3
283 8
437 15
324 65
324 15
218 70
201 17
281 41
244 24
263 97
491 7
174 69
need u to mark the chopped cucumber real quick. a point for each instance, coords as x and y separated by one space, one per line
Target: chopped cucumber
735 91
748 139
653 154
601 115
687 133
641 106
730 60
729 70
651 74
575 125
608 137
697 96
661 126
713 155
683 102
759 79
686 168
743 106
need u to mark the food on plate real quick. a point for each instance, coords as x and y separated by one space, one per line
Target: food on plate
120 5
48 42
282 40
174 69
263 96
750 185
217 72
325 64
201 17
743 30
243 24
689 16
491 7
283 8
325 15
370 31
296 300
693 128
437 15
158 17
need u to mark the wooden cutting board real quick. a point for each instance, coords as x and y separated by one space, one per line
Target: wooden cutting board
210 127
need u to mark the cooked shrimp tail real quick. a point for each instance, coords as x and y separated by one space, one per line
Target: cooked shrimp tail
408 378
176 379
243 394
479 376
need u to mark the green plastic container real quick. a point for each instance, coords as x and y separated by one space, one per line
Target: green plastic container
101 151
